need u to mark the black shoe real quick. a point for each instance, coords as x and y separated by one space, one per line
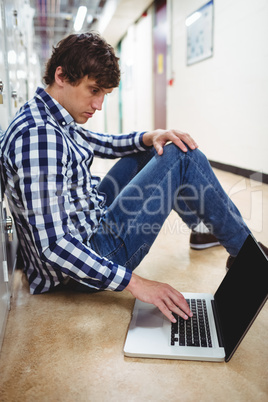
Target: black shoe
201 241
230 259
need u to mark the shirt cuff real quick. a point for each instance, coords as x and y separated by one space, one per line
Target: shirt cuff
120 280
139 141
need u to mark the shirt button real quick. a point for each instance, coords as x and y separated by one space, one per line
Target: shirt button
63 123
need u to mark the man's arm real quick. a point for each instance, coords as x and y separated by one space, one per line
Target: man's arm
114 146
163 296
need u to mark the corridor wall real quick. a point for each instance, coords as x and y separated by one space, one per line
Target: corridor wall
223 101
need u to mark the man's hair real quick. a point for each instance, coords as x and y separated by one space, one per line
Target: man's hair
86 54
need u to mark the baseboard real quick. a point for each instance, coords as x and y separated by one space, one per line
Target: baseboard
251 174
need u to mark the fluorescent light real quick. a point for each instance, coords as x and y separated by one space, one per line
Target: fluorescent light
80 18
194 17
12 57
89 19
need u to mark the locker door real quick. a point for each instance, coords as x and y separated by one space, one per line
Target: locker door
4 289
5 105
16 48
8 248
160 69
4 119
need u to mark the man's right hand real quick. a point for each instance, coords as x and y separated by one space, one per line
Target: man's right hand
162 295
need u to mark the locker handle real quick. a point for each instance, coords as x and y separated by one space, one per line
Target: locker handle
9 228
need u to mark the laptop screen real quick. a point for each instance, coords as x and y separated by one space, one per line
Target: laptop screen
242 294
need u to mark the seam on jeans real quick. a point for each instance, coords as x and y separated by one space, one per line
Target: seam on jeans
115 251
141 165
203 173
145 247
121 244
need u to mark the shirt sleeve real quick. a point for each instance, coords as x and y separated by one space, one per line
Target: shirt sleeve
115 146
41 157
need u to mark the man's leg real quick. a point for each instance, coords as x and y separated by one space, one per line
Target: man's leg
171 181
126 169
122 173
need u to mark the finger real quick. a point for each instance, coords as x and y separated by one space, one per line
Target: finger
180 312
158 148
177 141
175 138
177 304
167 313
168 307
186 138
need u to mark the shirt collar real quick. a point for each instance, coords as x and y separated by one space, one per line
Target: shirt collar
59 113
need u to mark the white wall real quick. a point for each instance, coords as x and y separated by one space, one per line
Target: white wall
223 101
137 87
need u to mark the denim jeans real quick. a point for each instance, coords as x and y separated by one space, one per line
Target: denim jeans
143 188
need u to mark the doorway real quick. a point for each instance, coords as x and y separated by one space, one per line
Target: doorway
160 63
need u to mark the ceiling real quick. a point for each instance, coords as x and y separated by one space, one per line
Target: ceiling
54 19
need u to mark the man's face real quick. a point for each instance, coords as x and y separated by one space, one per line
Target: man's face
83 100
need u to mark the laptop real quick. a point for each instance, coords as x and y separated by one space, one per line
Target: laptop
227 316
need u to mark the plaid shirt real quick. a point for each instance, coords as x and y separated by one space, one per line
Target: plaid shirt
46 159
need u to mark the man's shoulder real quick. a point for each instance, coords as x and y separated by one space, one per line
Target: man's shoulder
32 119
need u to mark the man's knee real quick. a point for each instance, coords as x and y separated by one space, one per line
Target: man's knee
193 156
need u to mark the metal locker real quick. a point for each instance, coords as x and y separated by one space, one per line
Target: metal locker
13 92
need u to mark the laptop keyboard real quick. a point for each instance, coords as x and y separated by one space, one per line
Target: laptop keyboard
194 331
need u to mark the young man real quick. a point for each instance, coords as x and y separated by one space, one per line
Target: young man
89 235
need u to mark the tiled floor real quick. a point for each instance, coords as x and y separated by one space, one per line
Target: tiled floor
65 347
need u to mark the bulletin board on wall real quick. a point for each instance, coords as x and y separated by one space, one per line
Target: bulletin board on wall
199 27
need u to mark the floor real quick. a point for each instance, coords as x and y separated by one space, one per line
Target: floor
65 347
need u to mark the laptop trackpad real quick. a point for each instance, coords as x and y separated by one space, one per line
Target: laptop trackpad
149 318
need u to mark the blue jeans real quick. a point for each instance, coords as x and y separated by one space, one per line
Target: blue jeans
141 191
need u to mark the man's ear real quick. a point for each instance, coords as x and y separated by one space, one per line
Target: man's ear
59 76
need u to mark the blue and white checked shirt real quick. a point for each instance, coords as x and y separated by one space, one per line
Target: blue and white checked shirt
46 159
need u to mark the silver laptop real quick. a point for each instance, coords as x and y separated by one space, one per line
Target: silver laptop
219 322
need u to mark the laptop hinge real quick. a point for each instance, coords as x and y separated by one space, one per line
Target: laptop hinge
217 323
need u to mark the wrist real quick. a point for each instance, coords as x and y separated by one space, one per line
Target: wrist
147 139
132 284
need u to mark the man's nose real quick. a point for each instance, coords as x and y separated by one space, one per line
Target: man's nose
97 104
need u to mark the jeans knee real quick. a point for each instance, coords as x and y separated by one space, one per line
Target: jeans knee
198 157
172 150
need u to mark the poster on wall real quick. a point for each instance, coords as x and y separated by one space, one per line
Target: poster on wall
199 27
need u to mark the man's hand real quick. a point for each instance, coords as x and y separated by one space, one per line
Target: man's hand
163 296
159 138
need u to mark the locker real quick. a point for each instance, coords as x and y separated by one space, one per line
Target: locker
16 70
5 105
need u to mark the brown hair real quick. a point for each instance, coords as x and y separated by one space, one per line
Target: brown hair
86 54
